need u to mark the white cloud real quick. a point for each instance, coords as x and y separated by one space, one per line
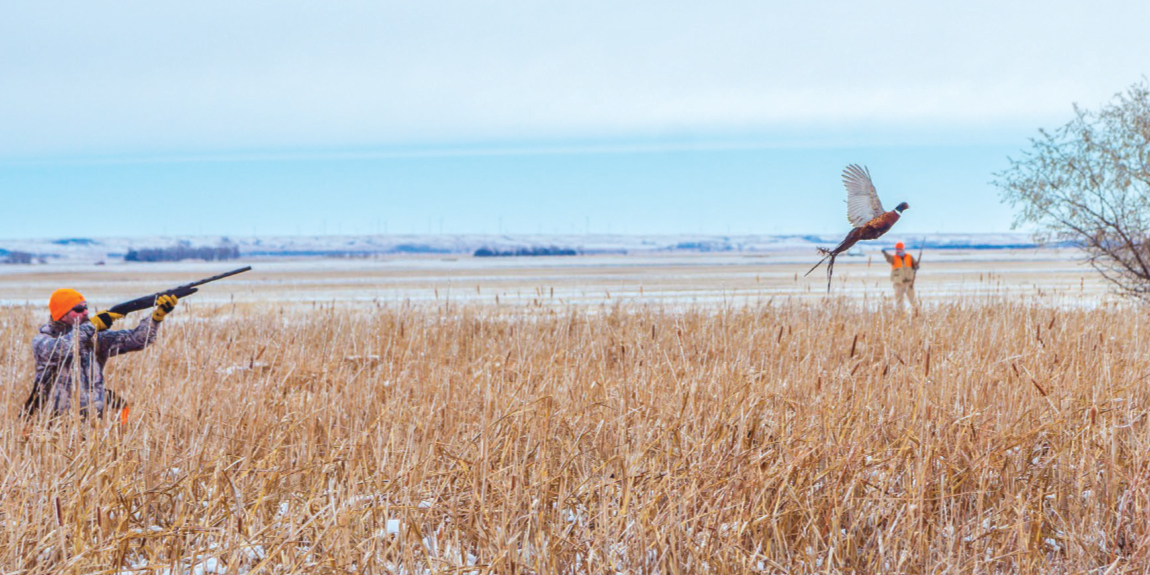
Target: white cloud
222 76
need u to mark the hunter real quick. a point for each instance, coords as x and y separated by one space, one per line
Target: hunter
71 351
903 269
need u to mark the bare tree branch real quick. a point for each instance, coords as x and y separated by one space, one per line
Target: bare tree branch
1088 183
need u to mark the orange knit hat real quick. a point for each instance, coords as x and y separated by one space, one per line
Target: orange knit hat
899 246
63 300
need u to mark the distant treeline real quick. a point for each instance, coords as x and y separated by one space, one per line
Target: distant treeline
719 246
532 251
183 252
361 253
15 257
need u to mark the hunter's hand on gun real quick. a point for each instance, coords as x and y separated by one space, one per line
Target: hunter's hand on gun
104 319
164 306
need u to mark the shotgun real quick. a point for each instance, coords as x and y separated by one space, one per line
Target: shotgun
185 290
918 260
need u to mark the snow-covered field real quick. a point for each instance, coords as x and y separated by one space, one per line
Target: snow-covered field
109 250
658 277
549 409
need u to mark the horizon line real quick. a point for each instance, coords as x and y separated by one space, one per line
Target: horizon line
79 239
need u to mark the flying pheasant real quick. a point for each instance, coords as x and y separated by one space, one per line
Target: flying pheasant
865 213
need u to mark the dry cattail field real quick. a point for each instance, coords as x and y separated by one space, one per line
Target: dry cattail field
755 426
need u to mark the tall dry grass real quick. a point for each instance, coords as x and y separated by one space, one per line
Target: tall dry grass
984 437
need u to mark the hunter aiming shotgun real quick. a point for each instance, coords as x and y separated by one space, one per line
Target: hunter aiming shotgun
72 348
180 292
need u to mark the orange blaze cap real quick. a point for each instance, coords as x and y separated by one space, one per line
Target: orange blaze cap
899 246
62 301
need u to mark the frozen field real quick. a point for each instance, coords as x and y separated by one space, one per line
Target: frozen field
536 415
1055 276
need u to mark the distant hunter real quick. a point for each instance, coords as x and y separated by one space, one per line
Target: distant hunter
903 270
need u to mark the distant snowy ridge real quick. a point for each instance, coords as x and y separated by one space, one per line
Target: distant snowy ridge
114 249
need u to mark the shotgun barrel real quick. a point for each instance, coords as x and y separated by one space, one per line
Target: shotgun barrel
185 290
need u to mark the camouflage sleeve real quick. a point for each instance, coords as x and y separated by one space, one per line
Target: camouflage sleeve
52 352
115 342
889 258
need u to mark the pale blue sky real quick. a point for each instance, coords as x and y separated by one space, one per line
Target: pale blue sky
525 117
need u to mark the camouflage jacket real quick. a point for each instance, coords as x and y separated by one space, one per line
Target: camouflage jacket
66 355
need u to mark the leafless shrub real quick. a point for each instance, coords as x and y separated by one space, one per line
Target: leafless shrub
1088 183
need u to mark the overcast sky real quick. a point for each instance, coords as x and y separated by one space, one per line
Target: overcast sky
284 117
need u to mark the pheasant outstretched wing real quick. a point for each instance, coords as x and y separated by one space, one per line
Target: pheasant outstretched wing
862 199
